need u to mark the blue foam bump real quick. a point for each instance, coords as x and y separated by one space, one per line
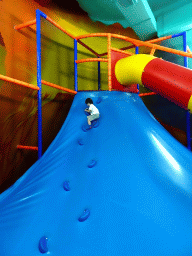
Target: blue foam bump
84 216
66 186
99 100
80 142
43 248
95 123
86 128
87 114
92 164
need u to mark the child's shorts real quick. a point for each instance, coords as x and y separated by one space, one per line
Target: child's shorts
93 117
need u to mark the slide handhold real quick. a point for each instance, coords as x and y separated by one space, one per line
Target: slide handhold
84 216
95 123
43 248
87 114
66 186
86 128
99 100
80 142
92 164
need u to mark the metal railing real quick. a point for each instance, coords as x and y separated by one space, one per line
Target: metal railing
135 44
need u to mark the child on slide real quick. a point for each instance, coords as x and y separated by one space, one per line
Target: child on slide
94 112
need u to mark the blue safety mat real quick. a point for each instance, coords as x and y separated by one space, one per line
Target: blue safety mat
122 187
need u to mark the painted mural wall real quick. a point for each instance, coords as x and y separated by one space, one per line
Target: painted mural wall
18 118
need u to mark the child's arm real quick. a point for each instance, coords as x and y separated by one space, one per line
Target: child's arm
87 110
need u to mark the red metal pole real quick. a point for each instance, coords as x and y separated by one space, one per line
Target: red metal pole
27 147
147 94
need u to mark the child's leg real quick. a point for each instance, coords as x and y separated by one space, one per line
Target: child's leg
91 118
88 120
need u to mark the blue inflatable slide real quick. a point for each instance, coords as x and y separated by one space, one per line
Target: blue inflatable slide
121 188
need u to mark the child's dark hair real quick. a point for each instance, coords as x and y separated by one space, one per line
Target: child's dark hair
88 100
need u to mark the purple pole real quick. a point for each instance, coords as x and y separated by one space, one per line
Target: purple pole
99 76
38 38
187 113
137 52
75 64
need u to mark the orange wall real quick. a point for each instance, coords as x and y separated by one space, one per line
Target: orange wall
18 118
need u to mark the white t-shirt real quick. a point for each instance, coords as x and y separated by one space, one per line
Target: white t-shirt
93 109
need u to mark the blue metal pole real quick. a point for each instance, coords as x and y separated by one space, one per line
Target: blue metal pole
179 34
75 64
99 75
187 113
185 48
137 52
188 130
38 38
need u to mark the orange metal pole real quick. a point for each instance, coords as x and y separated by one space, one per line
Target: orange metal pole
188 49
91 60
128 47
160 39
152 51
124 48
109 61
139 43
58 87
59 27
92 35
24 25
27 147
88 48
117 50
103 54
133 46
146 94
149 41
15 81
162 48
